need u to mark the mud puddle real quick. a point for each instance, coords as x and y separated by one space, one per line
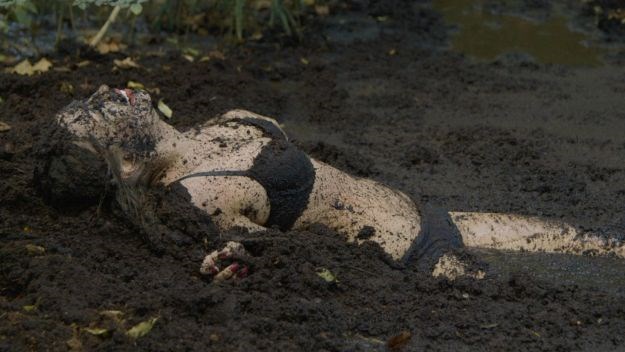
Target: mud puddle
486 32
597 273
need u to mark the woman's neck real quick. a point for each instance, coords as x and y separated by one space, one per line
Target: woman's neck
172 148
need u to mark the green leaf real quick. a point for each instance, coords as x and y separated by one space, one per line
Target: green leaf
135 85
141 329
96 331
30 308
327 275
136 9
166 110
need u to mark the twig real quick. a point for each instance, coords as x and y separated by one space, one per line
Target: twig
98 37
358 269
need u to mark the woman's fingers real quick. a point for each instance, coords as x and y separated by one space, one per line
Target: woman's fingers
212 262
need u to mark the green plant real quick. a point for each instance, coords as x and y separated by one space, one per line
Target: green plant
21 10
133 5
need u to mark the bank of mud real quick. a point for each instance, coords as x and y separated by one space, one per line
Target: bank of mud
388 103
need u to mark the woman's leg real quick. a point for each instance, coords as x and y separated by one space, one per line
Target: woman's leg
532 234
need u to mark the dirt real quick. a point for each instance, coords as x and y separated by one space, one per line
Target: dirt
378 95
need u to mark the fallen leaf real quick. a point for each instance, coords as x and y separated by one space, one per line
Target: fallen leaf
216 54
400 340
304 61
327 275
35 250
258 35
141 329
43 65
66 88
135 85
190 51
322 10
155 90
115 315
30 308
96 331
74 343
110 46
83 63
126 63
4 127
25 68
166 110
188 58
392 52
136 9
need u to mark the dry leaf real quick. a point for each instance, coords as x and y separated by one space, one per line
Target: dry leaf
166 110
115 315
258 35
110 46
322 10
400 340
4 127
74 343
42 65
35 250
126 63
188 58
304 61
216 54
23 68
83 63
28 69
141 329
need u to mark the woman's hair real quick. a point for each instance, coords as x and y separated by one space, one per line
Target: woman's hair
65 173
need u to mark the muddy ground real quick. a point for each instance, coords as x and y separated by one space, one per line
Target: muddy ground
384 99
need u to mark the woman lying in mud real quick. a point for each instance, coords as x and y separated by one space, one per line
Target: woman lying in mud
241 170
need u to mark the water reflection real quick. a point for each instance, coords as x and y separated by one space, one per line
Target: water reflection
485 35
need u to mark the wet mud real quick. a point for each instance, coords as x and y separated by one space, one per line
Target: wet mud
391 103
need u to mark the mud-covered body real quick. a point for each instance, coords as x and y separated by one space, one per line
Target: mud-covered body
241 171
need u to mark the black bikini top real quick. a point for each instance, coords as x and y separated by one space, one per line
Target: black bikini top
285 172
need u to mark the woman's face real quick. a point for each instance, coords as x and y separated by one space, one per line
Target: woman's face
115 122
123 118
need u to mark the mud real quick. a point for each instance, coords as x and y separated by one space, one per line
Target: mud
390 103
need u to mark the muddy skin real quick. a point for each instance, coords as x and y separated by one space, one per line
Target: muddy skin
258 180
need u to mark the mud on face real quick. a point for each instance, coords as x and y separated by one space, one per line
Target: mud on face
92 140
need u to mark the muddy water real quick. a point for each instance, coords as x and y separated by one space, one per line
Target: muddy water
485 35
600 273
